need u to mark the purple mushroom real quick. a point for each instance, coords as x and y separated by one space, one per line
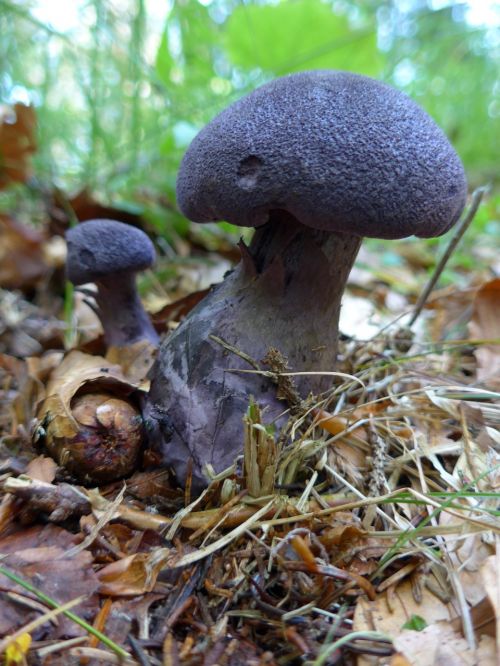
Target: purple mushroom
314 161
110 253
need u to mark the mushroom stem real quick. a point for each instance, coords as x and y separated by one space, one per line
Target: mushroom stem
121 312
292 300
285 293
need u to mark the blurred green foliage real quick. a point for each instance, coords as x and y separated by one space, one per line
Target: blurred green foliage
122 86
293 36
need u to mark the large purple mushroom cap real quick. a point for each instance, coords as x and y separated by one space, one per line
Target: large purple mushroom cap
338 151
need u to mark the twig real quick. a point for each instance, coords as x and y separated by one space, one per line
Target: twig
236 351
460 231
60 646
275 375
139 652
101 656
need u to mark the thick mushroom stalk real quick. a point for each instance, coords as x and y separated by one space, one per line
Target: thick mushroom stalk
110 253
314 161
285 293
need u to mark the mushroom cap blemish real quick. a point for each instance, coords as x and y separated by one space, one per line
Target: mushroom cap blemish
338 151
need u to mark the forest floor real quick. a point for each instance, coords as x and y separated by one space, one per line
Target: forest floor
374 540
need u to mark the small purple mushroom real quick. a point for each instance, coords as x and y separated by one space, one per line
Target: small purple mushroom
314 161
110 253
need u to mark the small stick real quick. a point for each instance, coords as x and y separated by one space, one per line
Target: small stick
460 231
235 350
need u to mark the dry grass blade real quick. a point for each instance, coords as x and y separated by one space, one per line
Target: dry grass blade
178 519
103 520
355 635
260 454
101 656
224 541
60 646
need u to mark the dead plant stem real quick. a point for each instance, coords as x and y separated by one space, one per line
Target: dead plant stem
455 239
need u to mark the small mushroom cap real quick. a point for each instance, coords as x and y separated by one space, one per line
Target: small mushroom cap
339 151
100 248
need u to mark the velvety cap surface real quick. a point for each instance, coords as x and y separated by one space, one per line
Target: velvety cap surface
339 151
98 248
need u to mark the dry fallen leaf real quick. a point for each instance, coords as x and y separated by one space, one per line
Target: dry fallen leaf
22 261
17 143
389 617
29 555
124 614
439 645
490 573
487 652
151 485
449 309
436 645
25 391
85 207
133 575
399 660
135 361
485 325
79 370
42 468
88 421
179 308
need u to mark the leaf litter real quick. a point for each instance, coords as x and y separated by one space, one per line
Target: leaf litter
366 534
387 488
